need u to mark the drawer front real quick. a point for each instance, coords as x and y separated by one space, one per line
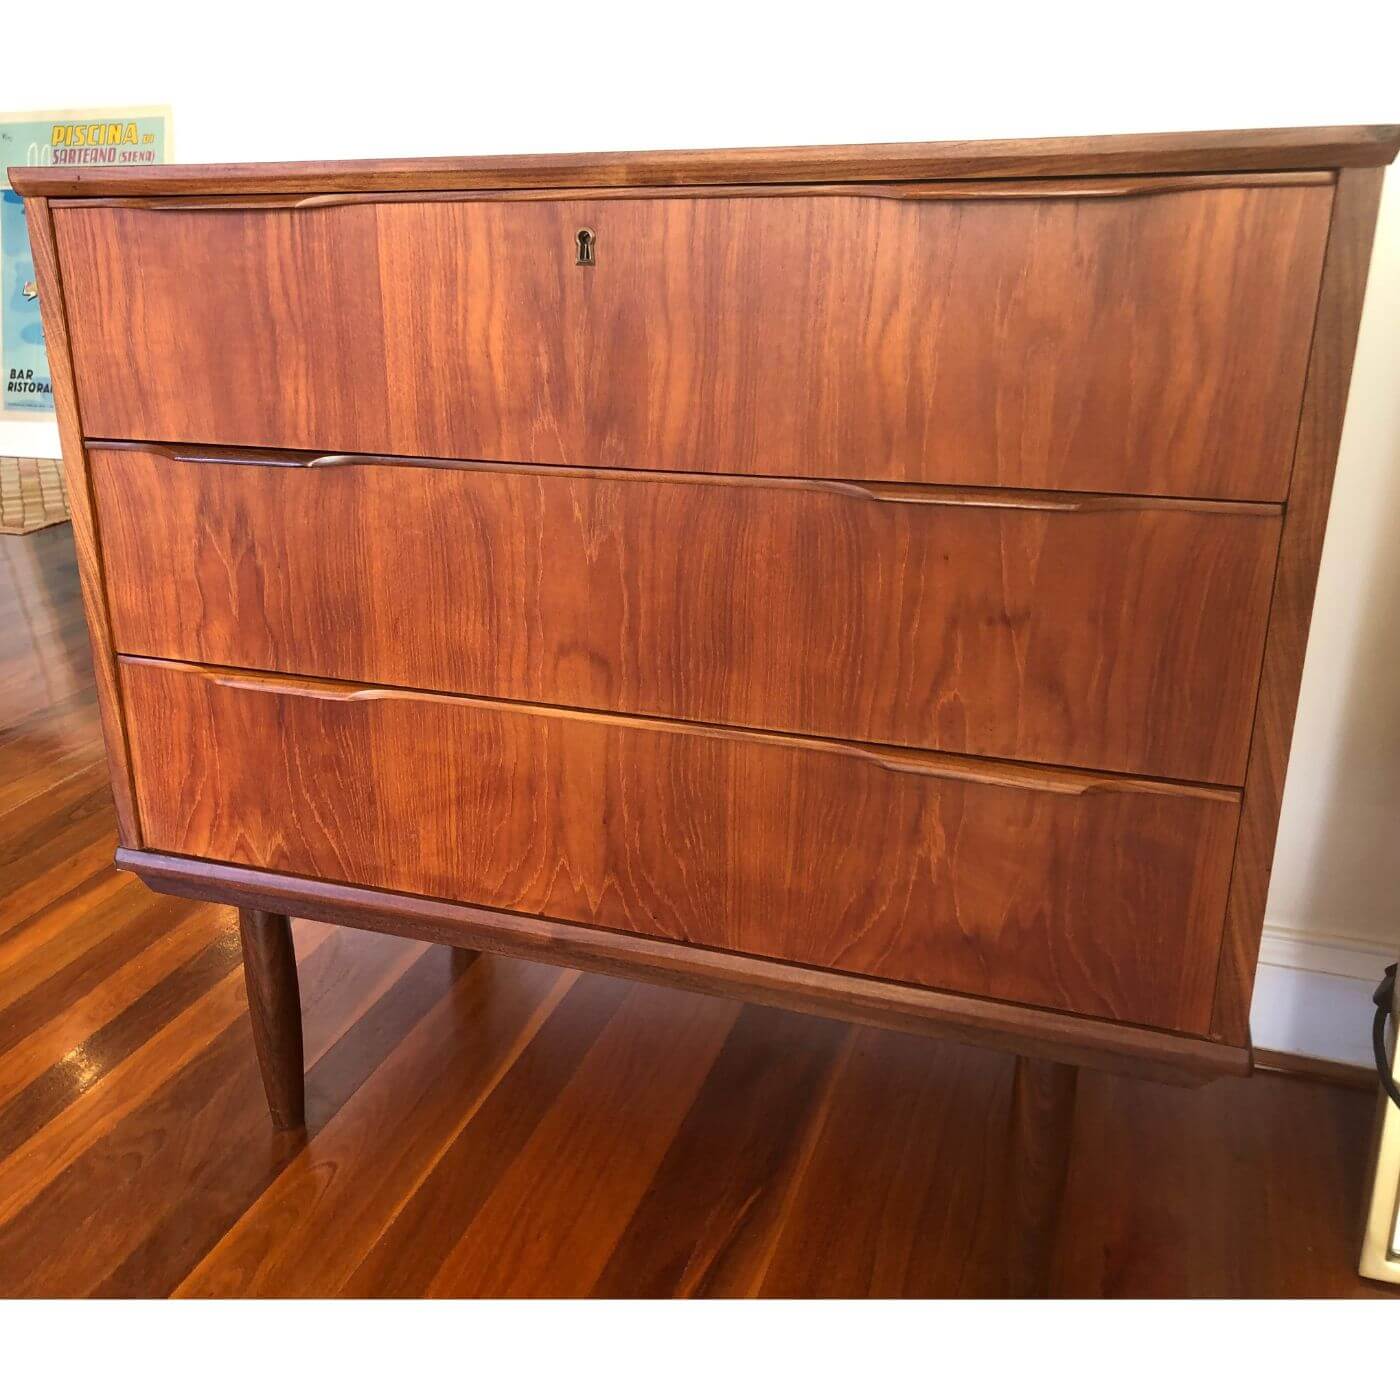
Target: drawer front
1104 897
1151 343
1076 630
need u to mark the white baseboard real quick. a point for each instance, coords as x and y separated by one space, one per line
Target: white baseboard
1313 994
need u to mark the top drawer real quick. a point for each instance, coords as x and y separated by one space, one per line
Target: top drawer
1114 336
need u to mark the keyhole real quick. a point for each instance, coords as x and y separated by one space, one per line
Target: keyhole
584 242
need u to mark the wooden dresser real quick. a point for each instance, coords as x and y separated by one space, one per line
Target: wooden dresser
870 580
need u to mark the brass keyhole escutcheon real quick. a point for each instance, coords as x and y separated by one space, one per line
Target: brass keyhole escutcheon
585 247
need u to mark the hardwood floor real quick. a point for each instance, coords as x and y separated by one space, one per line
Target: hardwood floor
481 1126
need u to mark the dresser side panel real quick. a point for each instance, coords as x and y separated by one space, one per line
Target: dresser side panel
82 508
1305 522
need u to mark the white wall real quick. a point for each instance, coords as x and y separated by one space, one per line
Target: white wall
261 82
1333 920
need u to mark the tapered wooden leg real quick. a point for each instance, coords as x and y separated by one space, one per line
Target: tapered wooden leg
274 1003
1042 1122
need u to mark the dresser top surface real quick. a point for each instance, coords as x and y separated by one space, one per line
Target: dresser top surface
1282 148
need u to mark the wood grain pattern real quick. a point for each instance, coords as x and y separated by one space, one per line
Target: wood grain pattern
404 1120
727 1171
888 1098
360 997
1152 1213
1095 895
622 1111
40 1077
1098 632
1153 344
1279 148
1319 436
53 310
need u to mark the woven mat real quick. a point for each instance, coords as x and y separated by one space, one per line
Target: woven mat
31 494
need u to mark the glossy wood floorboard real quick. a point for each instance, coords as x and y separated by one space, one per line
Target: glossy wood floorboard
486 1127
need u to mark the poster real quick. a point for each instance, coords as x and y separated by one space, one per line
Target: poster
107 137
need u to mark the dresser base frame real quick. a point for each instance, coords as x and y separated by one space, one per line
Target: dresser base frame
1022 1030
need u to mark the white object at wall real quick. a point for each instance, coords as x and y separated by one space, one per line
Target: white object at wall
29 439
1380 1249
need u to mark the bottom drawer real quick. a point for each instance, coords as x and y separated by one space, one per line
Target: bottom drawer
1057 888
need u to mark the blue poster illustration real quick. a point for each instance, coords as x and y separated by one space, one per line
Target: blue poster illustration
105 138
26 386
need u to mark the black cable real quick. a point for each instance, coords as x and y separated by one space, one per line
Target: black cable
1384 999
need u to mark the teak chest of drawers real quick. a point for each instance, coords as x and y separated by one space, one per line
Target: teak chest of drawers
871 580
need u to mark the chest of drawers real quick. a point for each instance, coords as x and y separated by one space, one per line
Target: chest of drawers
867 580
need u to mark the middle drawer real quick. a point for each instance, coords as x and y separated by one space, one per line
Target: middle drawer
1102 632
